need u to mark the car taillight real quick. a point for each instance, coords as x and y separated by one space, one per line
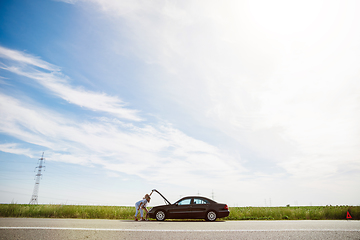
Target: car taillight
226 207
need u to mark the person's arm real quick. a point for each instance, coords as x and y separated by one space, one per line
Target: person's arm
140 205
144 207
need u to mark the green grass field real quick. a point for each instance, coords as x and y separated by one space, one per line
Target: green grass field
236 213
294 213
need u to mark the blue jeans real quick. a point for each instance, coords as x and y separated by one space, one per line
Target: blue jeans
137 210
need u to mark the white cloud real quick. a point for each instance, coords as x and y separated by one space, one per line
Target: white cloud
15 149
59 85
26 59
160 153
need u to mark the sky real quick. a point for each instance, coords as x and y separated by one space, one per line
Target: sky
251 103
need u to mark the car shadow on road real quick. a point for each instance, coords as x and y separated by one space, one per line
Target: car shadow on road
173 220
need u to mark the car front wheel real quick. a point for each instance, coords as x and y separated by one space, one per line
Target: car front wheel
211 216
160 215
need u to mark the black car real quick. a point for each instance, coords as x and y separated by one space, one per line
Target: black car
192 207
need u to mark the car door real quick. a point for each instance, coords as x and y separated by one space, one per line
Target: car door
181 209
199 208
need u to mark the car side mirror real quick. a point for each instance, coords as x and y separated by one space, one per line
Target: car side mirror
176 204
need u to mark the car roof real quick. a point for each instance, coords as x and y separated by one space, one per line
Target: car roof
196 197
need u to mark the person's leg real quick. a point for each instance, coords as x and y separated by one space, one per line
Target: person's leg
146 213
137 211
141 213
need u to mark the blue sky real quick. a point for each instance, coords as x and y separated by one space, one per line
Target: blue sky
250 101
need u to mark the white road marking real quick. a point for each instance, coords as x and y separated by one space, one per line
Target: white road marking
180 230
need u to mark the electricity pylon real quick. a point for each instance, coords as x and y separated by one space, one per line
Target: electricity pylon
34 197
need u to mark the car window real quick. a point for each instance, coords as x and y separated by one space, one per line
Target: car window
185 202
200 201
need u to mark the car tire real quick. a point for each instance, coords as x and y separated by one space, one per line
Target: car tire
160 215
211 216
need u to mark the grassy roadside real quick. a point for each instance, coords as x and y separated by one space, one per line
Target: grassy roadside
236 213
294 213
66 211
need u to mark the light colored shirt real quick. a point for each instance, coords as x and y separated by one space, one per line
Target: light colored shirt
144 203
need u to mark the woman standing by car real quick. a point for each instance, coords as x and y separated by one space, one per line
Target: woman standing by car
140 205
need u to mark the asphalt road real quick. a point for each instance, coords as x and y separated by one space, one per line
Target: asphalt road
41 228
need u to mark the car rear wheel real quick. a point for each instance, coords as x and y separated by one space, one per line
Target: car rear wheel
211 216
160 215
